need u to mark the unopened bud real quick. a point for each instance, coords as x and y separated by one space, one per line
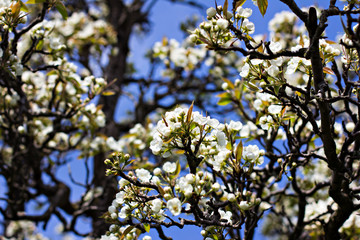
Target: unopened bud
157 171
231 197
167 196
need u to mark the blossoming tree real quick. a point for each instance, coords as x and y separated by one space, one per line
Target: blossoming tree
283 147
293 159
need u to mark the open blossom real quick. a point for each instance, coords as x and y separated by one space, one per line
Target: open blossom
275 109
226 215
251 153
211 12
244 12
174 206
156 205
235 126
169 167
275 47
222 23
124 211
244 205
248 26
143 174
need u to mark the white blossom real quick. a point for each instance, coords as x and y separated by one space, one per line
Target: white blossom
169 167
222 23
174 206
211 12
143 174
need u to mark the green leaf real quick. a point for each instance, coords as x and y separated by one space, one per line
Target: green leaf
40 45
164 119
344 27
35 1
224 101
239 150
178 168
189 113
126 231
62 9
161 190
108 93
237 94
225 9
129 135
230 84
328 70
252 86
24 7
239 3
224 95
15 9
147 227
262 4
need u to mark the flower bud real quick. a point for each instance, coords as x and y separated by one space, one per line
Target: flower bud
157 171
190 178
211 12
222 23
167 196
231 197
350 126
193 38
244 205
215 186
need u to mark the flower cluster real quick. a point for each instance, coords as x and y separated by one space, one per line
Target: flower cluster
215 31
175 55
184 131
153 196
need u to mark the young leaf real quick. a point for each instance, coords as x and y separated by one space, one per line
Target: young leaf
239 150
161 190
15 9
147 227
330 41
126 231
178 168
224 101
224 95
252 86
189 113
225 8
230 84
262 4
166 124
24 7
35 1
328 70
62 9
108 93
239 3
344 27
237 94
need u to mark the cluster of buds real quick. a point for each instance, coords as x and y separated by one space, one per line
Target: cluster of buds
11 14
215 31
